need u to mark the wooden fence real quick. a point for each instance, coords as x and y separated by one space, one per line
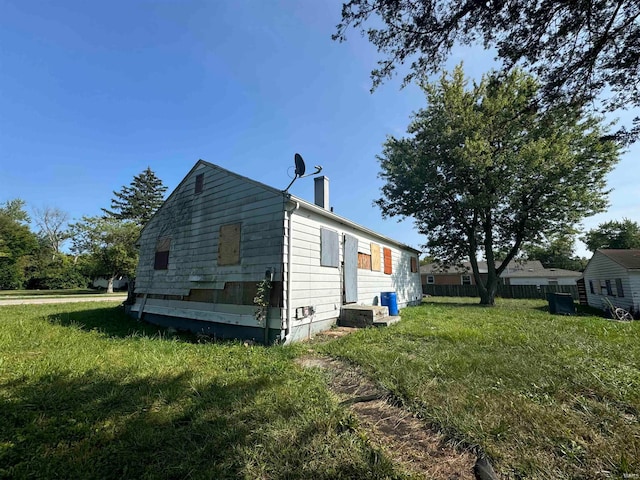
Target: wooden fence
504 291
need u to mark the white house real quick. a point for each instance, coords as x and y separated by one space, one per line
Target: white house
614 274
219 234
544 276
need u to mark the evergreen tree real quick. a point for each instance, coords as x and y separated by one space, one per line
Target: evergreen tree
138 201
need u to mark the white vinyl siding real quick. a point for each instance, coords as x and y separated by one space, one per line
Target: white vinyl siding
193 222
321 286
600 270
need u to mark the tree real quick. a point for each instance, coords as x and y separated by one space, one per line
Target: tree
109 243
17 244
483 171
556 252
624 234
577 49
52 223
14 209
140 200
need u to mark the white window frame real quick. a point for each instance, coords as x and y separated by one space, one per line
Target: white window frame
462 277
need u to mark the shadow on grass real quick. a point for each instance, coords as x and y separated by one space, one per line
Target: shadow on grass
100 427
111 321
171 426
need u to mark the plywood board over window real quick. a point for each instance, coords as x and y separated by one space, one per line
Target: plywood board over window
387 261
229 245
329 248
364 261
414 265
375 257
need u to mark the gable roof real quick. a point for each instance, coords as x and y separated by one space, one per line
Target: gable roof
307 205
544 273
628 258
513 266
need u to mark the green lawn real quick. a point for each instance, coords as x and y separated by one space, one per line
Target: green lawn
545 396
86 392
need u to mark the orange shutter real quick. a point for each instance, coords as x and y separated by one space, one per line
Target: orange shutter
387 261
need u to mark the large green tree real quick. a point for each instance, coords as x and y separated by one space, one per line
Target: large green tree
17 244
577 49
110 245
556 252
613 234
138 201
484 171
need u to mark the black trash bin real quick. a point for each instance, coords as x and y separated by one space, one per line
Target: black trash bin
561 303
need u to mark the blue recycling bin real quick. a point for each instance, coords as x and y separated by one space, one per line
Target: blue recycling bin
390 299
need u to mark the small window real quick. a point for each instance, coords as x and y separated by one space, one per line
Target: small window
414 264
591 287
199 182
364 261
431 279
607 284
619 289
386 253
161 261
466 279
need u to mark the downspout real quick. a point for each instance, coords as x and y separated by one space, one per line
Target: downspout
287 331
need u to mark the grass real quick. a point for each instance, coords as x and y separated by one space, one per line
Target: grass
53 293
86 392
544 396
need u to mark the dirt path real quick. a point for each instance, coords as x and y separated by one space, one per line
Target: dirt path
403 437
66 299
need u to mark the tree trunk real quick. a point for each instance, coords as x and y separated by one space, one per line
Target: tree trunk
110 285
488 294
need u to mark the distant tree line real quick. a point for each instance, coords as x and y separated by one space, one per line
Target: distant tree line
99 246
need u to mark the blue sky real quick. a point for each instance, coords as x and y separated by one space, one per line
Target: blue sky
91 93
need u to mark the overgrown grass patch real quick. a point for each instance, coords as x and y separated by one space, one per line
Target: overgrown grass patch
86 392
545 396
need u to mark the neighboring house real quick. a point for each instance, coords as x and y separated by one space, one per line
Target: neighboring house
219 234
435 274
119 283
546 276
614 274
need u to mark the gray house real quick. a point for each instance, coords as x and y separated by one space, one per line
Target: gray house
615 275
219 235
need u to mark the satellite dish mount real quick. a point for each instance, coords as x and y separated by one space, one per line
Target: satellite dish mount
301 169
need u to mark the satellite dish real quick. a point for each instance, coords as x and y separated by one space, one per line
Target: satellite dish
300 168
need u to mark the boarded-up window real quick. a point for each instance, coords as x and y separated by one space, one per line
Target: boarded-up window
387 261
414 264
229 245
376 264
329 248
199 182
364 261
161 260
619 289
